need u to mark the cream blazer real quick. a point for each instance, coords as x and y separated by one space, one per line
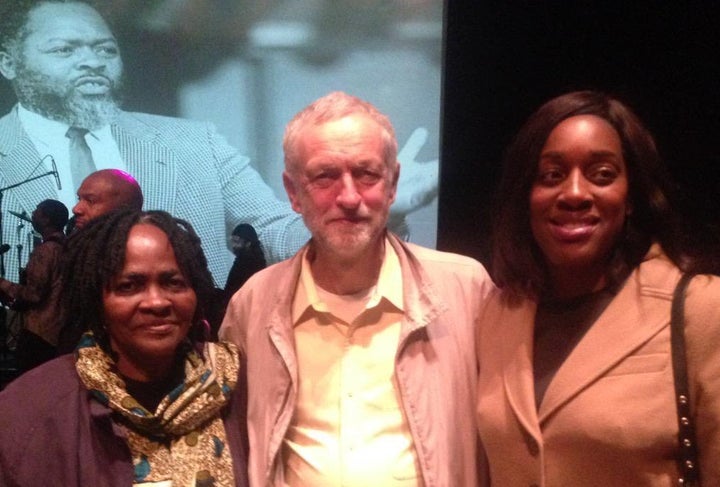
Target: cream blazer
608 417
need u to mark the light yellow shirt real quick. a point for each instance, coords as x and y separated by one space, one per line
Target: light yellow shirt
349 427
48 137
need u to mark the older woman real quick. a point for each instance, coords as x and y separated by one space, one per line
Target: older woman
142 401
576 384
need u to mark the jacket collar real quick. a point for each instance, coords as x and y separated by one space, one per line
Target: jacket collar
517 357
421 301
632 318
11 132
18 161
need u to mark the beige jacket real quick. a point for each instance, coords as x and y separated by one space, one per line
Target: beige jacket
608 417
435 367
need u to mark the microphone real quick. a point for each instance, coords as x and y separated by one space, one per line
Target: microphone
4 248
55 173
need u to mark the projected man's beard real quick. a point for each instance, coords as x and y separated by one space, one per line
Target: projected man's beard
63 102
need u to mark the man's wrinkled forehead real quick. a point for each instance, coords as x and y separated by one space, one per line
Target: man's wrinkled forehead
65 20
97 185
51 14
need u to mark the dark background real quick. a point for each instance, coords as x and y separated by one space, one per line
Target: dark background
503 61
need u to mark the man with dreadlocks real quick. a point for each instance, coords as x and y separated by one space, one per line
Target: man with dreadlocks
38 298
144 400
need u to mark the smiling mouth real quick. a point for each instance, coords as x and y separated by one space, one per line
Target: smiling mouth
573 231
161 328
347 222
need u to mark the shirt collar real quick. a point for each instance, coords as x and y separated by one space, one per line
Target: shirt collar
39 127
42 128
389 286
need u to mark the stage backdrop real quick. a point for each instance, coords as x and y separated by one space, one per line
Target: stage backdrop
249 66
504 59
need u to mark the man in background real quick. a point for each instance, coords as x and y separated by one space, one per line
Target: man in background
65 67
104 191
249 258
360 348
38 299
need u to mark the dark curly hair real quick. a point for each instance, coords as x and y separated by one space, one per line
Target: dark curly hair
518 262
96 254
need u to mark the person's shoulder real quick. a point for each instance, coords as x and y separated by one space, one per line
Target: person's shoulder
267 291
657 270
430 254
39 390
39 414
658 276
54 244
8 117
703 296
270 275
10 131
441 261
161 124
270 284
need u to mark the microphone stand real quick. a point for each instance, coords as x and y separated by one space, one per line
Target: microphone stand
19 248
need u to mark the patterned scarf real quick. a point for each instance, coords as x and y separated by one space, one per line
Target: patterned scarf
183 441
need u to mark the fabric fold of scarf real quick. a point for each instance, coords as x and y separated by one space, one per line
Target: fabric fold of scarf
183 440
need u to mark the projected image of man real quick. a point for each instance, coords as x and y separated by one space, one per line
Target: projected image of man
65 66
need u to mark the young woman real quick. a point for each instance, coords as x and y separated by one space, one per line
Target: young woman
576 384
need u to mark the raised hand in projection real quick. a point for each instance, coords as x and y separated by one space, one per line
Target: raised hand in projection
418 183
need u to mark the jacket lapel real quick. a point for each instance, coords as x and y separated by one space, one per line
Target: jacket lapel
517 357
415 317
149 160
631 319
281 333
280 326
19 160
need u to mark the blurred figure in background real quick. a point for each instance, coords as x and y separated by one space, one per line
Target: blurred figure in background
38 299
104 191
249 257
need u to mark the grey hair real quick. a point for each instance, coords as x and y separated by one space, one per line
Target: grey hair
334 106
